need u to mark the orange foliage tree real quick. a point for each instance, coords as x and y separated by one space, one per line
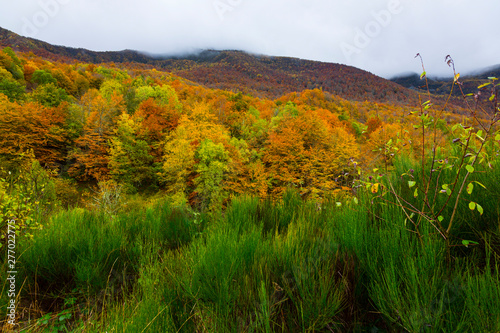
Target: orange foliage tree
33 126
91 154
157 119
306 152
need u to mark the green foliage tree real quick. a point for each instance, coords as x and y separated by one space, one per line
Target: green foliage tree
112 73
109 88
130 161
254 128
289 110
163 95
10 61
14 90
212 168
49 95
41 76
10 52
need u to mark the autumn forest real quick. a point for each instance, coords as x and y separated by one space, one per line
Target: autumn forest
148 130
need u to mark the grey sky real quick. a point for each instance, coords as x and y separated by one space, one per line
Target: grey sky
381 36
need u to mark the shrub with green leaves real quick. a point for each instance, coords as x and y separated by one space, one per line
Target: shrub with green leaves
27 195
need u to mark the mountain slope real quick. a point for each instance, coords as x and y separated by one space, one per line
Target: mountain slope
272 77
63 53
442 86
262 76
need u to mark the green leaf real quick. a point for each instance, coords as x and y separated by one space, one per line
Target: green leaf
415 194
446 188
497 137
423 75
440 218
472 205
479 209
467 242
478 183
469 168
65 316
470 187
484 85
411 183
492 97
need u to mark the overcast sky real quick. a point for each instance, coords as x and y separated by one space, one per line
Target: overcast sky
381 36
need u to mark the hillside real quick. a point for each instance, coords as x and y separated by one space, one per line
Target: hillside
441 86
261 76
272 77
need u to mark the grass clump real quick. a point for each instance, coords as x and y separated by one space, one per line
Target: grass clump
260 267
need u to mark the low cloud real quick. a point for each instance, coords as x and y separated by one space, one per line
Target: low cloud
381 36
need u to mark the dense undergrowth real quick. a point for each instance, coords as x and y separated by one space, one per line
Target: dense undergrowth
262 266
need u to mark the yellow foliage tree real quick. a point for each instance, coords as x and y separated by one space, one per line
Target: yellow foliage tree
180 148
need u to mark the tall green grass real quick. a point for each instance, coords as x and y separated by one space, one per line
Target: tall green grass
287 266
143 310
239 277
96 257
482 299
78 249
407 276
